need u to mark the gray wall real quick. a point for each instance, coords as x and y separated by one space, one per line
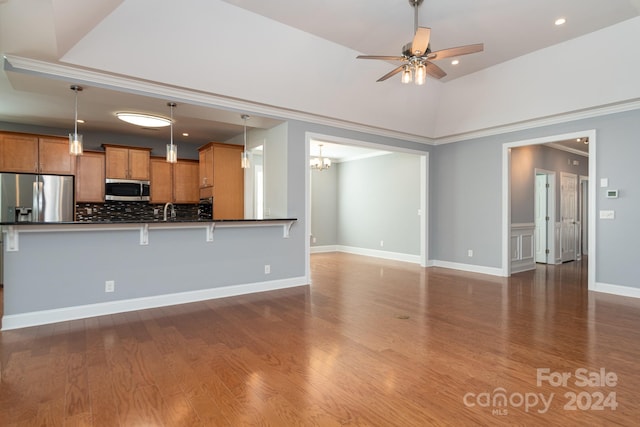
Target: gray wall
466 200
359 203
324 206
524 161
378 200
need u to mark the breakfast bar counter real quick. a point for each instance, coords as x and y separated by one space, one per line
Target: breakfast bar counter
62 271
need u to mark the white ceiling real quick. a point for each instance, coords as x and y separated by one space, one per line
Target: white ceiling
47 29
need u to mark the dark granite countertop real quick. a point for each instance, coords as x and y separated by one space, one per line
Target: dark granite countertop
153 221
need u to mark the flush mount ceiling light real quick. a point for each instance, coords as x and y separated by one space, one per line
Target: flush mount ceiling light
144 120
75 139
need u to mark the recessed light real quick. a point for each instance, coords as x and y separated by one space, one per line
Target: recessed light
185 134
560 21
455 62
80 121
144 120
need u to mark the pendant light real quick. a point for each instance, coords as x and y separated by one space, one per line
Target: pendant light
172 149
75 139
245 161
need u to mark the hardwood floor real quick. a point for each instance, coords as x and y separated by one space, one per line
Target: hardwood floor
371 342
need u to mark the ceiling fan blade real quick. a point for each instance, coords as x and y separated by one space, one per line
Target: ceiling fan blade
455 51
385 58
434 71
420 41
392 73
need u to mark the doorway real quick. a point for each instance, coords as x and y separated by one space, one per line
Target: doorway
587 135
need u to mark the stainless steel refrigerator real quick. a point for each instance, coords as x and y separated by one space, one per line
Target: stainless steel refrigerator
36 198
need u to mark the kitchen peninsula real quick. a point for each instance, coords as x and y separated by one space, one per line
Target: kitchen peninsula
62 271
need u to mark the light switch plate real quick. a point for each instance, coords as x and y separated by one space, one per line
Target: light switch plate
604 182
607 214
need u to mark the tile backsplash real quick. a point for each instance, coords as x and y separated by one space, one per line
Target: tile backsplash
136 211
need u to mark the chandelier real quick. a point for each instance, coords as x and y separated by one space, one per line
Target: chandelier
320 163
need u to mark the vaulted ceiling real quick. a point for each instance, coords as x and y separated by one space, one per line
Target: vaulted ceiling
276 59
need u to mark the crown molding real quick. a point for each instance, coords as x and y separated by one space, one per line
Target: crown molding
165 91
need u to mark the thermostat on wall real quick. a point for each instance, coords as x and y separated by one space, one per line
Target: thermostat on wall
612 194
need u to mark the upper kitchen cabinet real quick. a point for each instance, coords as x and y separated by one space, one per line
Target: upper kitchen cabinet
90 177
161 180
185 182
54 156
206 170
127 162
33 154
18 153
174 182
222 178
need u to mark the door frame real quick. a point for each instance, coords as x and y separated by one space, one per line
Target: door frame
424 191
506 197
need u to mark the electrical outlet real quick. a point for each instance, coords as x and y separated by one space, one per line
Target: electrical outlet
381 243
267 269
89 211
313 240
470 253
109 286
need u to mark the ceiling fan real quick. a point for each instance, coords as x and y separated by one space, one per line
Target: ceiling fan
417 55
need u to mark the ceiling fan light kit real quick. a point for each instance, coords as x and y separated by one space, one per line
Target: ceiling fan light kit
417 55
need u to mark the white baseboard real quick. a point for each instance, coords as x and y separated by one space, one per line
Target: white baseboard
623 291
396 256
23 320
321 249
468 267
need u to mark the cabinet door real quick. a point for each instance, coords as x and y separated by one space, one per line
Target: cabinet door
54 156
90 177
117 162
206 167
185 182
18 153
139 164
161 179
228 175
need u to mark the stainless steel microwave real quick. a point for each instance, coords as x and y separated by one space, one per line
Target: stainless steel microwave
127 190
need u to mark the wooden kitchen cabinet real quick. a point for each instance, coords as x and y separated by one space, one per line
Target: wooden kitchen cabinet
185 181
54 157
18 153
90 176
127 162
161 180
176 183
206 167
220 170
34 154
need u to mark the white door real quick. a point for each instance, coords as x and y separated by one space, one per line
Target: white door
541 218
568 214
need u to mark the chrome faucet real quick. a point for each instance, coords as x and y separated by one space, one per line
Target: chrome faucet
173 211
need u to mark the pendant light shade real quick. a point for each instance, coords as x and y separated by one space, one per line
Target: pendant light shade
421 74
75 139
245 159
172 149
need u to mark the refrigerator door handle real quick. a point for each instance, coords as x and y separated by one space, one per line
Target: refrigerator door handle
37 201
